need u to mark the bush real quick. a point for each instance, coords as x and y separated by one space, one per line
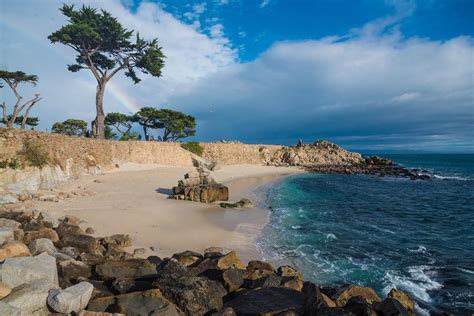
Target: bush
35 154
10 163
193 147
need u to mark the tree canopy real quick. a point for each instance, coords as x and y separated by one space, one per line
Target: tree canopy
70 127
13 79
176 125
31 121
122 122
105 47
148 118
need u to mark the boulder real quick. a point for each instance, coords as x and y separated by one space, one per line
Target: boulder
268 301
288 271
264 282
21 217
150 302
188 257
22 270
4 290
230 260
354 290
133 268
199 186
84 243
92 259
41 233
90 230
294 283
48 220
403 298
243 203
73 269
70 251
121 240
71 220
31 297
19 234
14 249
6 235
7 309
8 199
40 245
359 306
391 306
316 300
72 299
232 279
5 222
125 285
258 265
193 295
64 229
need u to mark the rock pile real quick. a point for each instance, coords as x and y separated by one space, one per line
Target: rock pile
82 275
326 157
199 186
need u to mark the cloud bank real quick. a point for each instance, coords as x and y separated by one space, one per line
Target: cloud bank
372 89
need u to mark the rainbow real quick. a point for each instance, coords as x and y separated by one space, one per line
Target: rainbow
114 90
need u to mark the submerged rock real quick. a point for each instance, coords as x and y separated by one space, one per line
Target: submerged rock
243 203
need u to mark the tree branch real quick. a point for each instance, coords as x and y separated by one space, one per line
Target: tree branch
27 112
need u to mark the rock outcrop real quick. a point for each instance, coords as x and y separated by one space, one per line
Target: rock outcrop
97 276
199 186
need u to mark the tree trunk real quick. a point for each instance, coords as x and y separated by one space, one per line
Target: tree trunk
145 131
98 126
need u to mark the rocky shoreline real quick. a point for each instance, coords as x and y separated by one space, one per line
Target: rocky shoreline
53 266
326 157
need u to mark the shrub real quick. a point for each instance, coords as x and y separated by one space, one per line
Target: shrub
10 163
193 147
35 154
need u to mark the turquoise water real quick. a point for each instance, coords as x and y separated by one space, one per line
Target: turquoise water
382 232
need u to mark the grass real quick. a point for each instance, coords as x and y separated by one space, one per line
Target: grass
35 154
10 163
193 147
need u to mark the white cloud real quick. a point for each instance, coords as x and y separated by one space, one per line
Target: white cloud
406 97
264 3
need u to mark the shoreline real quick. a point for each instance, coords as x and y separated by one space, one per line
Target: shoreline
133 200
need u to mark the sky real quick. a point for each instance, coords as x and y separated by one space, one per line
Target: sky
370 75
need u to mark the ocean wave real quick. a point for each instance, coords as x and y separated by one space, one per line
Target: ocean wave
330 237
419 283
465 270
420 249
437 176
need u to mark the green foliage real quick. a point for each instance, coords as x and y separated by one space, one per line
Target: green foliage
148 117
129 136
104 44
16 77
109 133
70 127
193 147
122 122
34 153
10 163
176 124
30 121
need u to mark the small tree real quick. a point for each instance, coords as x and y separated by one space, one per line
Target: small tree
176 125
13 79
123 123
148 117
70 127
105 47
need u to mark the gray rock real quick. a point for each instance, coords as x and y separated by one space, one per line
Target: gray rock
48 220
6 234
22 270
7 309
72 299
73 269
8 198
40 245
133 268
30 298
5 222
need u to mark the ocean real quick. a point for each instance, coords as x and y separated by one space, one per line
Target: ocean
382 232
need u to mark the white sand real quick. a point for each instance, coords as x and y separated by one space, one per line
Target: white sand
133 200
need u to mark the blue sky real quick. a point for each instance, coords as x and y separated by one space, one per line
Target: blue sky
382 75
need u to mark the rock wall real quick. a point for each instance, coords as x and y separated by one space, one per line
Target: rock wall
234 153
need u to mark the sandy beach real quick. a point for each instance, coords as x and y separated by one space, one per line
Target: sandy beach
133 200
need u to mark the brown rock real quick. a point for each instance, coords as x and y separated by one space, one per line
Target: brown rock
73 269
188 257
71 220
14 249
90 230
133 268
82 243
288 271
4 290
42 233
64 229
403 298
230 260
366 293
232 279
121 240
294 283
150 302
259 265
